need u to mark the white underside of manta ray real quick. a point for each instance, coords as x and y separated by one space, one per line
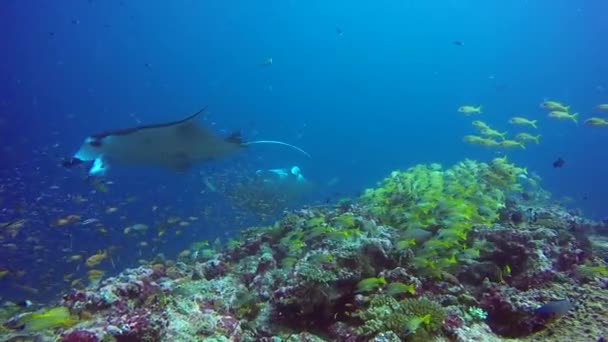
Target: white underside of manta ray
176 145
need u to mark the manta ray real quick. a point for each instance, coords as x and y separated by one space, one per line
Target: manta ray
177 145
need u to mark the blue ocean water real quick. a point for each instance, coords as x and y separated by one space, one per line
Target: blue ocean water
364 87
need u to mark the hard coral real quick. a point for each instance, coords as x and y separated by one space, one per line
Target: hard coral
79 336
136 325
452 323
385 313
507 319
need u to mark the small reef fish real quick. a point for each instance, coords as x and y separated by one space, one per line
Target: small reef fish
518 120
563 115
24 303
70 219
596 122
452 234
602 107
51 318
267 62
554 309
480 125
511 144
12 228
468 110
173 220
89 221
209 185
136 228
559 163
95 259
477 140
554 106
110 210
3 273
419 235
413 324
184 254
74 258
489 132
95 275
525 137
370 284
395 289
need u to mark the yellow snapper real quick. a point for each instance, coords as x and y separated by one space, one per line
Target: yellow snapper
563 115
518 120
597 122
554 106
468 110
523 137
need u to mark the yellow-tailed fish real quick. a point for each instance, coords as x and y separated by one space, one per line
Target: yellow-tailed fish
518 120
370 284
51 318
489 132
596 122
395 289
468 110
414 323
480 125
95 259
602 107
563 115
554 106
477 140
511 144
525 137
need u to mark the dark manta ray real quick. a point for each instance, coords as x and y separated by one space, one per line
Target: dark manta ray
177 145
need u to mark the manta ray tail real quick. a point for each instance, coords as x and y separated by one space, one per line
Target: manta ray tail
277 143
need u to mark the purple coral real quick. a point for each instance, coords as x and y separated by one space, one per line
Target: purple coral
567 260
135 323
80 336
343 332
214 268
230 326
452 323
507 319
533 280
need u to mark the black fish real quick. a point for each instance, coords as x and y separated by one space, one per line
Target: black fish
339 31
458 42
553 309
24 303
559 163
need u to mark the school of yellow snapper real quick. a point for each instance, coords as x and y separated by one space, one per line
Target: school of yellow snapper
492 138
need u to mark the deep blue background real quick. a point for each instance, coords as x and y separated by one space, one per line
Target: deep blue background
383 95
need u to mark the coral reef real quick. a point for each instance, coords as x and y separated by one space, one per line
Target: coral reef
456 254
